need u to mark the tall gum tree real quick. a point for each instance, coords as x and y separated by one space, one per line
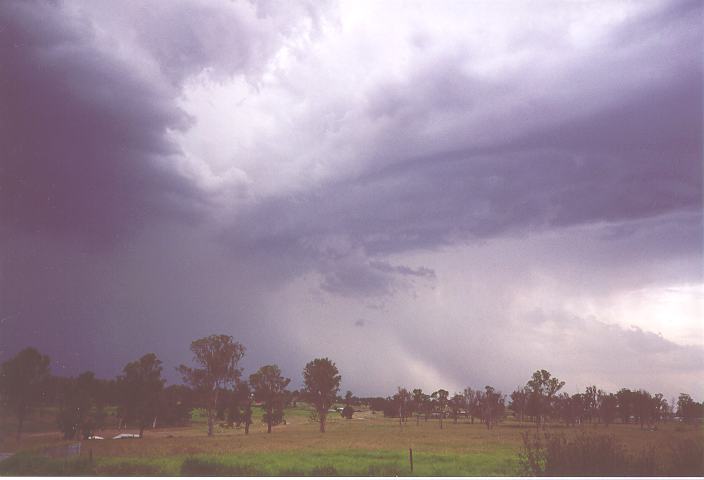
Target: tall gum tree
322 382
217 357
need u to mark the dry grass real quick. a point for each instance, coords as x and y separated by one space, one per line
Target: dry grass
298 443
367 433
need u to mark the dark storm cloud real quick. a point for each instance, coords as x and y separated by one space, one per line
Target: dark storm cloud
83 132
637 154
93 203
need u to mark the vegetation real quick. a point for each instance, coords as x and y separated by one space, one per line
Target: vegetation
322 382
140 386
603 455
22 379
630 432
218 356
270 389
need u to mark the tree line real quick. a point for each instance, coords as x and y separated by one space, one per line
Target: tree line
539 401
215 382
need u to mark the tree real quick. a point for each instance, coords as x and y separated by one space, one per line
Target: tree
402 400
642 407
608 407
519 401
140 387
493 406
420 404
270 388
687 409
217 356
625 404
80 410
456 405
243 397
590 402
322 382
175 405
23 379
471 398
659 407
441 399
543 387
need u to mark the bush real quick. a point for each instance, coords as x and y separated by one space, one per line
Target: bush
198 467
602 455
324 471
687 457
554 455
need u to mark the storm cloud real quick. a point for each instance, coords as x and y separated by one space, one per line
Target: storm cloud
483 186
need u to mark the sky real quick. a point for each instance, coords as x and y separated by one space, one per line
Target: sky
431 194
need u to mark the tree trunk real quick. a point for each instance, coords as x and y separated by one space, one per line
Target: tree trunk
141 430
322 422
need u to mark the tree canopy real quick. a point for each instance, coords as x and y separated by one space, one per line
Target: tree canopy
322 382
217 357
270 388
22 382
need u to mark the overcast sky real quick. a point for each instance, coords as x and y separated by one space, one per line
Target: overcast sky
432 194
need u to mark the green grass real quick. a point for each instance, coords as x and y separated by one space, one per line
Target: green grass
344 463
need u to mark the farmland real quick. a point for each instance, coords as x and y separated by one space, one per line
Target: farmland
367 444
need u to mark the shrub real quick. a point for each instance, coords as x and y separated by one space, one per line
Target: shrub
324 471
601 455
585 455
198 467
687 457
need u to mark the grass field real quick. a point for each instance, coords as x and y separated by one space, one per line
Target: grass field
369 444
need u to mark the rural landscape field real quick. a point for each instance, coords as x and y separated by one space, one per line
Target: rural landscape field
368 444
221 422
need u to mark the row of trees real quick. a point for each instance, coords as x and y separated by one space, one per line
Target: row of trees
487 405
539 401
215 382
142 399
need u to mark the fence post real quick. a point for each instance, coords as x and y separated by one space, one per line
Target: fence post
410 458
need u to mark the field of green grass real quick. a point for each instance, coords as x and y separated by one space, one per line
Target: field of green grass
369 444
